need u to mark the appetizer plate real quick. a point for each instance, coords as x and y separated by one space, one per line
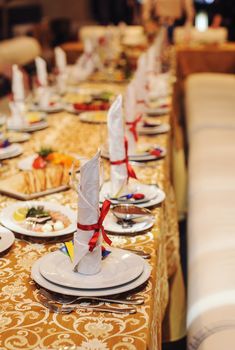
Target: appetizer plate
111 225
11 151
27 163
27 128
7 238
43 282
14 137
7 218
141 156
153 194
153 130
118 268
99 117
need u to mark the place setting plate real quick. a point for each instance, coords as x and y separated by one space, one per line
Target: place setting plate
28 127
153 129
17 137
143 153
10 151
115 226
53 108
13 218
153 195
121 271
7 239
97 117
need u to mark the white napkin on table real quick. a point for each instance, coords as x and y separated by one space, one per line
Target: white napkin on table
87 262
117 146
41 68
60 60
159 86
141 84
17 84
130 116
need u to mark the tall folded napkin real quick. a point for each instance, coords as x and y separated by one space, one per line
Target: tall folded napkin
60 60
159 86
17 84
141 84
41 68
131 117
88 238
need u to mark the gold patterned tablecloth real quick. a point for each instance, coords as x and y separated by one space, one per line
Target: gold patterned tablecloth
26 324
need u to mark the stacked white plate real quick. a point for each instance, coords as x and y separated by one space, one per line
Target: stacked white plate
153 195
6 239
121 271
10 151
27 127
141 156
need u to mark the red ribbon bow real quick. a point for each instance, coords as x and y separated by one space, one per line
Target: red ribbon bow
130 170
133 127
97 227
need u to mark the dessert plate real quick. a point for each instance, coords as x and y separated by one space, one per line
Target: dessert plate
118 268
11 151
137 226
7 238
43 282
27 128
153 130
8 220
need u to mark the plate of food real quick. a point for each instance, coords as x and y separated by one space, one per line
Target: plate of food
39 219
97 117
46 157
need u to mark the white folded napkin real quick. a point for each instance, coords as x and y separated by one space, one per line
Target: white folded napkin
17 114
141 84
43 97
60 60
41 68
17 84
119 175
87 262
159 86
131 118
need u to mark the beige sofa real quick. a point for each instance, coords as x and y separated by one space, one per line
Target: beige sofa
210 106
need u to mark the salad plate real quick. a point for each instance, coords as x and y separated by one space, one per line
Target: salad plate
7 238
43 282
39 219
118 268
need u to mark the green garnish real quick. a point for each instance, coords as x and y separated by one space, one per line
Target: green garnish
37 212
44 152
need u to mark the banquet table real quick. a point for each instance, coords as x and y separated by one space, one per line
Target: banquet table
24 322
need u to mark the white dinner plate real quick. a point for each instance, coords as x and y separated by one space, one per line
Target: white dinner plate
118 268
56 108
7 220
158 129
155 194
140 225
27 163
91 117
14 137
11 151
28 128
157 111
141 156
43 282
6 240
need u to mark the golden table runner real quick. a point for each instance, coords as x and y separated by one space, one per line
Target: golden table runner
26 324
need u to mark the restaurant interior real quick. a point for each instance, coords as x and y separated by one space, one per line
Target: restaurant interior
117 168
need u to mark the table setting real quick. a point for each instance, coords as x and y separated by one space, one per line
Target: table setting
89 261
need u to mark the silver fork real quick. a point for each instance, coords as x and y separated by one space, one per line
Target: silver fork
67 309
68 301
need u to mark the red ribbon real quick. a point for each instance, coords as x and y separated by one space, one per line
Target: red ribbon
97 227
133 127
130 170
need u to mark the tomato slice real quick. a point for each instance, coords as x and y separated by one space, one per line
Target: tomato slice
39 163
